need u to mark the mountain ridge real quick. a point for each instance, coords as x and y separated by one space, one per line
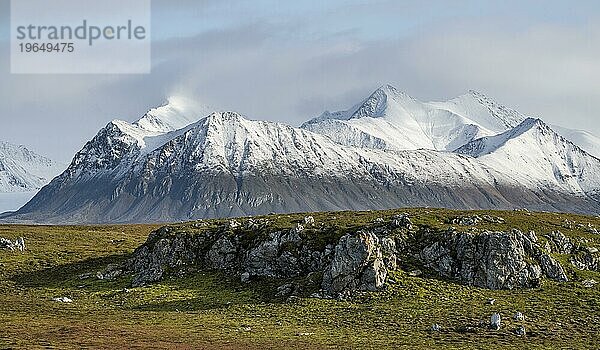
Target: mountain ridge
226 165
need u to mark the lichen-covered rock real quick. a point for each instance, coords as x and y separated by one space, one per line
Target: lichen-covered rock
552 268
466 220
559 243
222 254
494 260
587 258
402 221
357 265
111 272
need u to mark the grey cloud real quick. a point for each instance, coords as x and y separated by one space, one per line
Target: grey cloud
261 70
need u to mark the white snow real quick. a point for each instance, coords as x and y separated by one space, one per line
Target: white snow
177 113
161 124
535 155
391 119
587 141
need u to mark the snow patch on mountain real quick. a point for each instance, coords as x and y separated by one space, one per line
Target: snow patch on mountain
482 110
587 141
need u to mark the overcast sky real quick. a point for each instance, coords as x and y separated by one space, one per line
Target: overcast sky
288 61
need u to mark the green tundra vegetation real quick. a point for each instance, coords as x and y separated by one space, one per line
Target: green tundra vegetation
214 310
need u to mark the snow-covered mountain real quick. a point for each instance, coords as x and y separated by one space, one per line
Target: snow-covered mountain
388 151
390 119
533 154
22 173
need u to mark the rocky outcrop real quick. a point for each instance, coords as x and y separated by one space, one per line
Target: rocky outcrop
359 260
494 260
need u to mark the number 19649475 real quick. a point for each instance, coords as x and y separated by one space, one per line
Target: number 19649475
46 47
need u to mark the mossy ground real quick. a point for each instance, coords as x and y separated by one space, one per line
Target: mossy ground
214 310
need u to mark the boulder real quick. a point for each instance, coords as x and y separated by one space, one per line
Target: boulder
559 243
245 277
62 300
402 221
552 268
357 265
589 283
309 220
495 321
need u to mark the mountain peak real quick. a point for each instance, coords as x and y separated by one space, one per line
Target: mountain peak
532 129
178 112
388 88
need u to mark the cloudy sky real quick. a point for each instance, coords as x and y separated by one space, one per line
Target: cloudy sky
289 61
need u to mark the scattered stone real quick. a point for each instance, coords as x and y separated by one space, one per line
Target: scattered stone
495 321
62 300
87 275
402 221
520 331
491 301
17 245
299 228
20 244
233 224
304 334
436 327
111 272
519 316
493 219
379 221
589 283
415 273
292 299
309 220
245 277
466 220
